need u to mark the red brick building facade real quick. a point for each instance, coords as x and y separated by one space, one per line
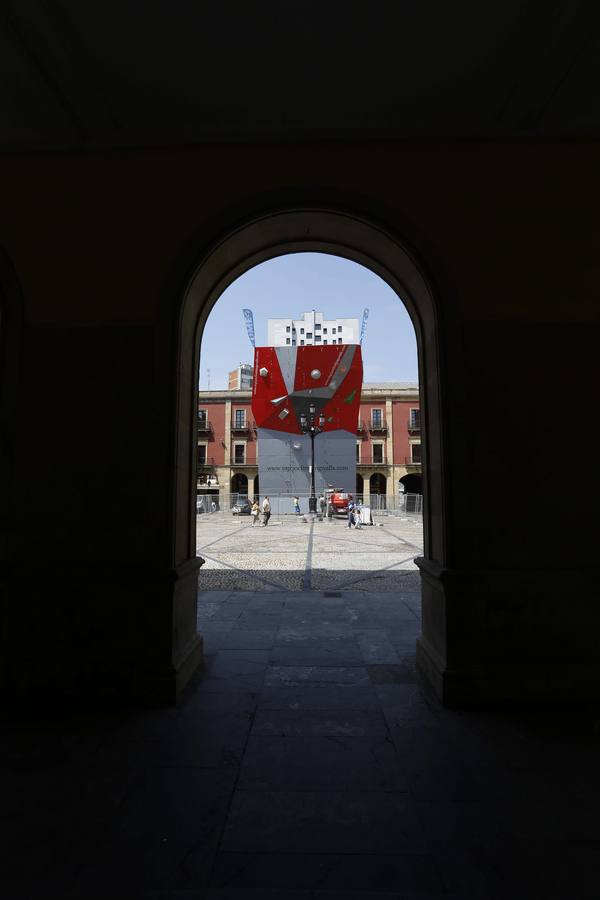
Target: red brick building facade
388 443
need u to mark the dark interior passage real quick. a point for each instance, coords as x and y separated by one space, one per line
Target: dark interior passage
148 156
309 760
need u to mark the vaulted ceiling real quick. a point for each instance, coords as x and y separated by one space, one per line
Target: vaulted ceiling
79 74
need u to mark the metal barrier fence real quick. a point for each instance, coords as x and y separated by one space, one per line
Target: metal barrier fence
405 505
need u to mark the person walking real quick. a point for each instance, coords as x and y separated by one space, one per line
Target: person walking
322 504
297 506
329 510
357 516
350 513
266 508
254 512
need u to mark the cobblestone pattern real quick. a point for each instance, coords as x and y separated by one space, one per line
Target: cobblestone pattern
296 553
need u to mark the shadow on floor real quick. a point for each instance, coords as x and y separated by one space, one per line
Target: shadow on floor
316 579
306 761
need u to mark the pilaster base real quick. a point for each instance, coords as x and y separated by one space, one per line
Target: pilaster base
509 637
108 635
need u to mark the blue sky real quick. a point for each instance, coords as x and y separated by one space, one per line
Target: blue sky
289 285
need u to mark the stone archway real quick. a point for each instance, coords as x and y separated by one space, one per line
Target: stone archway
378 490
308 230
11 322
299 230
239 483
411 484
360 485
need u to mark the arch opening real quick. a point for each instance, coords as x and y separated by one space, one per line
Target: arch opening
360 486
296 231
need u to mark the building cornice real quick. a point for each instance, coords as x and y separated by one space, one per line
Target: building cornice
368 392
215 396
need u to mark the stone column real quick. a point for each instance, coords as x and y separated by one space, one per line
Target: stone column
366 488
389 457
228 456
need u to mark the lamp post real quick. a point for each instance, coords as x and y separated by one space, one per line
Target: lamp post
312 425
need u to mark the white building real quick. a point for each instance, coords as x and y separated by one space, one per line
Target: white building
311 329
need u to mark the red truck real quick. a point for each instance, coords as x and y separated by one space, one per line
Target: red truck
339 500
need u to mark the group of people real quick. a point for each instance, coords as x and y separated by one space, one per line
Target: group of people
354 514
325 506
266 512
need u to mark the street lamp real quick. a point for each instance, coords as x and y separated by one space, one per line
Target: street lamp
312 425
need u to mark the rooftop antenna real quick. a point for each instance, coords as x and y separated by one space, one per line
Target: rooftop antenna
249 318
363 327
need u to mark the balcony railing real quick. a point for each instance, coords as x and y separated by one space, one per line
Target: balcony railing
204 425
361 427
414 424
412 461
244 427
208 461
378 426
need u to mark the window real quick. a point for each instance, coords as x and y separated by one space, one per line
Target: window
203 418
377 453
308 335
239 454
293 343
358 451
333 330
416 453
287 327
201 454
325 341
415 418
317 326
339 340
324 331
287 340
302 331
318 337
376 418
240 418
302 343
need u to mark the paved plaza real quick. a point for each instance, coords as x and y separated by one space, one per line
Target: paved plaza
294 553
306 761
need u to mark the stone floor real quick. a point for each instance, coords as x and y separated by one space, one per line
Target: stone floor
307 761
294 553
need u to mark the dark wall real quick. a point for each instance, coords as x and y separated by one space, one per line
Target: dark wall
102 246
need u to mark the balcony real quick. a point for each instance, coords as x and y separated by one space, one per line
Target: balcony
207 462
414 425
361 428
204 425
244 427
374 461
378 426
207 481
412 461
